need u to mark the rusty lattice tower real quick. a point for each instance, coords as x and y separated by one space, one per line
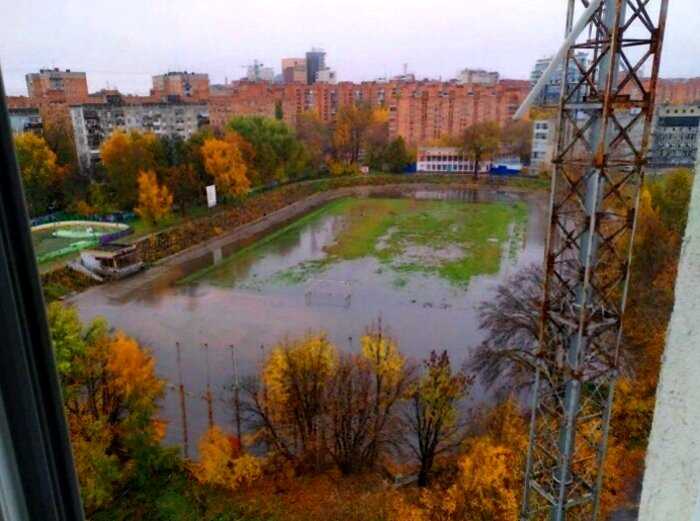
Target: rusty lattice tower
604 121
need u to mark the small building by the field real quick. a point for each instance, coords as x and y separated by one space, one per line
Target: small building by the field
112 261
508 165
447 160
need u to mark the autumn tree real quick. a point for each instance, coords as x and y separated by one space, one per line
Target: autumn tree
350 124
123 157
41 174
224 162
480 142
670 197
58 133
358 127
288 402
155 200
391 377
222 462
361 396
516 139
110 394
312 405
314 134
432 421
488 478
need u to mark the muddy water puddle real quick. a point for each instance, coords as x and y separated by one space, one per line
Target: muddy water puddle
423 263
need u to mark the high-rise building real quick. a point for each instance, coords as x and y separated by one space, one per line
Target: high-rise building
63 86
315 61
479 76
185 85
258 72
552 90
675 136
326 76
93 122
294 70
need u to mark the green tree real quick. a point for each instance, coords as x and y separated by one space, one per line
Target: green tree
42 177
279 111
480 142
396 156
180 172
278 154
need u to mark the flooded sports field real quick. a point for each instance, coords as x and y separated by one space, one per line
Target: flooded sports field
423 262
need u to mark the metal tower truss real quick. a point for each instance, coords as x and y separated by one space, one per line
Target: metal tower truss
605 116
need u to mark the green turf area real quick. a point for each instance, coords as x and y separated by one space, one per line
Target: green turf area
452 240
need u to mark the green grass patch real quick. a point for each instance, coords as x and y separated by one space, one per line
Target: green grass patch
449 239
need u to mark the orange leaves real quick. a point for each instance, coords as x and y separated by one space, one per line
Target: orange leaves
155 201
124 156
488 477
110 393
222 463
224 161
132 372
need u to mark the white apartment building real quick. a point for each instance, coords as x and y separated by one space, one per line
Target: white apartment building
92 123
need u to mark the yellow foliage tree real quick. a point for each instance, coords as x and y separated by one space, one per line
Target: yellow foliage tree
124 156
110 393
223 160
41 174
489 475
155 201
222 463
383 354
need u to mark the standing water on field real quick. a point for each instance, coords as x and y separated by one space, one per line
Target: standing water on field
423 263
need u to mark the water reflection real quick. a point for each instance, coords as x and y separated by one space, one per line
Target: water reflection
237 303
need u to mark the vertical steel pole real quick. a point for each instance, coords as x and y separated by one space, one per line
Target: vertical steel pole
183 404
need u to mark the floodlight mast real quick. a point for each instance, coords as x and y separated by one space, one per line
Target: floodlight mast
605 114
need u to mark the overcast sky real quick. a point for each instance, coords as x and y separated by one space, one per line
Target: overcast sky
123 43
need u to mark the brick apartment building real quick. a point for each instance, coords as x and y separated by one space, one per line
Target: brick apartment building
54 84
420 112
294 70
181 85
678 91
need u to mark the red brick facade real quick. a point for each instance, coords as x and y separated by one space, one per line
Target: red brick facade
419 112
678 91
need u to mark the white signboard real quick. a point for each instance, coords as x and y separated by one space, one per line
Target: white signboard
211 196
